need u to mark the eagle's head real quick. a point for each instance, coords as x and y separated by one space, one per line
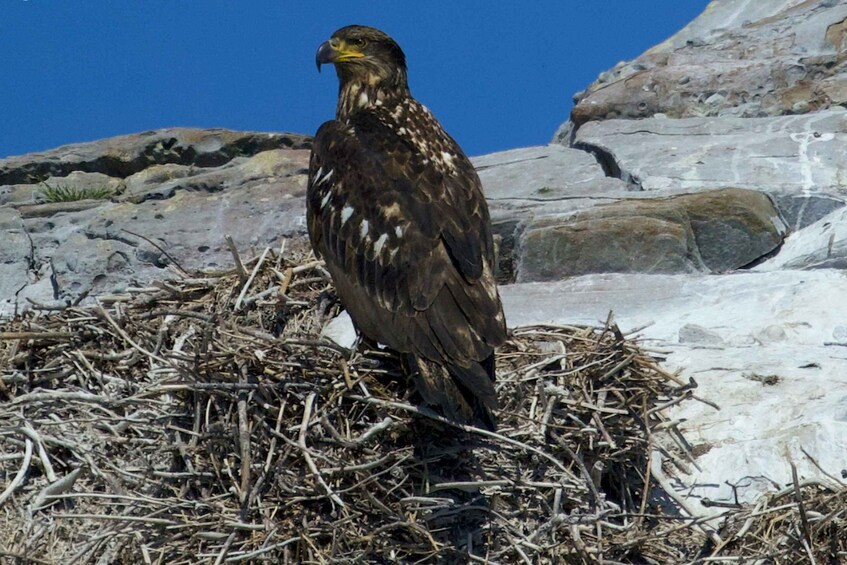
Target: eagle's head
366 57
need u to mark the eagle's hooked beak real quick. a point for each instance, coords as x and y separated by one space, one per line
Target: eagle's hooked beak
335 51
325 54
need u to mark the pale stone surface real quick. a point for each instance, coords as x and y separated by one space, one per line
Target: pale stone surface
538 176
792 153
820 245
800 160
728 332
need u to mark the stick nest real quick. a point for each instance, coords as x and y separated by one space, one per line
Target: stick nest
206 420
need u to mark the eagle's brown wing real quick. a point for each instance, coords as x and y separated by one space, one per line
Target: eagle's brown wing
409 247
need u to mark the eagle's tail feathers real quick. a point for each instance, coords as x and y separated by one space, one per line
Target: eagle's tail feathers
465 394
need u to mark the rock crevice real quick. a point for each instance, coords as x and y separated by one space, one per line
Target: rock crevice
607 162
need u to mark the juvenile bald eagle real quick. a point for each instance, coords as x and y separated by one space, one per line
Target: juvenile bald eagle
396 210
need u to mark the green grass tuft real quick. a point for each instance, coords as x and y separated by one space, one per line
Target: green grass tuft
57 193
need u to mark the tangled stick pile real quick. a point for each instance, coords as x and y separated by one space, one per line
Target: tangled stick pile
205 420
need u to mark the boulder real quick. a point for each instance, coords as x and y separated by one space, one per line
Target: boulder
714 231
624 244
733 227
553 181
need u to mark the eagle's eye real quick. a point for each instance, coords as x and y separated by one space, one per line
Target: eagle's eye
357 42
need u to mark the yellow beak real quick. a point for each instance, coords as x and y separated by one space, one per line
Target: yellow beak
334 51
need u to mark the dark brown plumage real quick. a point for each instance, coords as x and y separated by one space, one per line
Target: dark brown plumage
396 210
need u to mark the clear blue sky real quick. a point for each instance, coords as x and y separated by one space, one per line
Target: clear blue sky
497 74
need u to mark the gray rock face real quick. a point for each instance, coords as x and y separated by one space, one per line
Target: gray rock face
15 254
120 157
534 178
167 213
822 245
559 214
774 154
532 182
799 160
739 58
557 211
748 96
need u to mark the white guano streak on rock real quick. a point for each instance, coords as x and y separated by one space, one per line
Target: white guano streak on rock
804 140
741 9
